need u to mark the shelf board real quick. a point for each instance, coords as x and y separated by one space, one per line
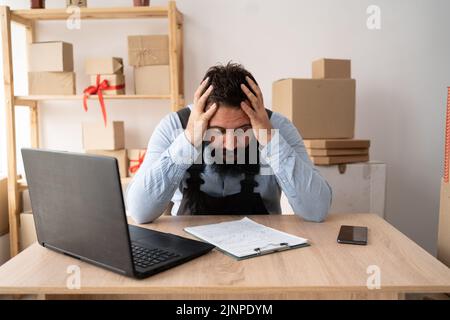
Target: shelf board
92 97
90 13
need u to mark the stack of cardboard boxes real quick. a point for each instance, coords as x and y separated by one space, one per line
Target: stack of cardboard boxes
149 55
336 151
323 110
109 69
50 68
106 140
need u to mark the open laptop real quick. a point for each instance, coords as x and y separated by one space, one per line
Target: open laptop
79 211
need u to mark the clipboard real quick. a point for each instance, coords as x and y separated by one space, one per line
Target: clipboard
266 251
243 233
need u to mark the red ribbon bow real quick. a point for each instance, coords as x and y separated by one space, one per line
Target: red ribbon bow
98 89
139 161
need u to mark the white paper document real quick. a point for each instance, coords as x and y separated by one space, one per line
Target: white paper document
245 238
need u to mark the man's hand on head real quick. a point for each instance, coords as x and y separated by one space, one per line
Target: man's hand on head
257 112
199 118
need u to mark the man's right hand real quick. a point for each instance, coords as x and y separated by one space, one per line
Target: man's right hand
199 118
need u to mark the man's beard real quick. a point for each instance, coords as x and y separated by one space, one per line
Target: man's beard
237 165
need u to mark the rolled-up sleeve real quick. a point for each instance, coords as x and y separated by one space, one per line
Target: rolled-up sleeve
307 191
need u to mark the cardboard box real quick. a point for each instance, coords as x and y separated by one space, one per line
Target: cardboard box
336 143
331 69
78 3
339 159
98 137
51 83
135 157
107 65
4 249
152 80
318 108
113 80
4 212
148 50
25 200
27 230
120 155
55 56
336 152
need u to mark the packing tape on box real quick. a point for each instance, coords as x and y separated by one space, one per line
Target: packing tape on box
142 53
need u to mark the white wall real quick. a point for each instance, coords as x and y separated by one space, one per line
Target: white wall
402 72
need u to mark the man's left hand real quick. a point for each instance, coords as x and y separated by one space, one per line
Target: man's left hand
257 112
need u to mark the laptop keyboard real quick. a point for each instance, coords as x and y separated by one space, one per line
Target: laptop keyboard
144 257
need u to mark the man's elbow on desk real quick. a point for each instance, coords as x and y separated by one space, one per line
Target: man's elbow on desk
314 216
317 210
141 219
141 213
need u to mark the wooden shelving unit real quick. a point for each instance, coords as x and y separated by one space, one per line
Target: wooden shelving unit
28 19
22 99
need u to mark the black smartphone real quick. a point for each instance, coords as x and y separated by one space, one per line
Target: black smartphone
353 235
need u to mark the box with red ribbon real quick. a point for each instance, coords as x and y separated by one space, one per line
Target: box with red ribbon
136 158
106 78
115 82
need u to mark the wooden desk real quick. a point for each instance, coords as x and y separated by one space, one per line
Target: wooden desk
324 270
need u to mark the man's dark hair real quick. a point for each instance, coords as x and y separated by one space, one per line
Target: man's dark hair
227 80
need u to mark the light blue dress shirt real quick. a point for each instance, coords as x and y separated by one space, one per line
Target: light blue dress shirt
163 173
